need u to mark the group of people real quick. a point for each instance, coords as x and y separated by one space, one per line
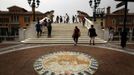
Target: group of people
66 19
45 23
74 19
62 19
91 33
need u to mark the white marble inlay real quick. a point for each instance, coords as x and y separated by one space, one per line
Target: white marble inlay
65 62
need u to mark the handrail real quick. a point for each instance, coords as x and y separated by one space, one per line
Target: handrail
88 23
99 31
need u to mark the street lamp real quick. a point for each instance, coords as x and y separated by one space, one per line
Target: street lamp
94 6
100 13
34 5
124 33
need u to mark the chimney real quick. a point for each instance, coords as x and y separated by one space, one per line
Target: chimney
108 10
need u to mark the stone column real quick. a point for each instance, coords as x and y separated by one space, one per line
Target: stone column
22 34
31 31
106 34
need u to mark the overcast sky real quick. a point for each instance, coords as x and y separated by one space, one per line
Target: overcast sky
61 6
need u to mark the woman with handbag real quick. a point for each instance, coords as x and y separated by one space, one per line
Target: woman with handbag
76 35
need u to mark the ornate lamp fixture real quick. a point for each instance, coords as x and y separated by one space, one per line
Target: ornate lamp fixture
34 4
94 4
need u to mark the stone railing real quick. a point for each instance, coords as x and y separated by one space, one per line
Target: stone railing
88 23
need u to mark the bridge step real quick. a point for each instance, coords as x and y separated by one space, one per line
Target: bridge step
60 40
61 34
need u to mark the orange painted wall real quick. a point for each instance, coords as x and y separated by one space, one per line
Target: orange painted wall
21 21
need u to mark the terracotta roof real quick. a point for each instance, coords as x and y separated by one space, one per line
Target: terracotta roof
29 12
120 10
17 7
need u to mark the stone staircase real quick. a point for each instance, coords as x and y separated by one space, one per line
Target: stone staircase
62 34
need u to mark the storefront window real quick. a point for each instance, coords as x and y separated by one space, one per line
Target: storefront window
26 19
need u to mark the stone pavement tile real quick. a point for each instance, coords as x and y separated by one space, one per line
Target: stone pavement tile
128 46
110 62
131 46
6 45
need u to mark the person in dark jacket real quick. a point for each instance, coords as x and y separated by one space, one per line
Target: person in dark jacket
45 22
92 34
57 19
83 21
38 29
49 27
61 19
123 39
73 19
76 35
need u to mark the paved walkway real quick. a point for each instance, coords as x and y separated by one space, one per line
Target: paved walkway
19 59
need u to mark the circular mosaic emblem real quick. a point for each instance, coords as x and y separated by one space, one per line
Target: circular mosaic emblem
66 63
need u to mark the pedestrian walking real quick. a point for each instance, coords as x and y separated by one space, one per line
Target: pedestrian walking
38 29
45 22
76 35
61 19
76 19
57 19
83 21
64 19
111 33
44 25
92 34
49 27
73 19
67 18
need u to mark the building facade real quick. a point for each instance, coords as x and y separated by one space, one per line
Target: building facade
13 19
116 21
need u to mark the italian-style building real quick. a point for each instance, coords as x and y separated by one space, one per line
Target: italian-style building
116 19
15 18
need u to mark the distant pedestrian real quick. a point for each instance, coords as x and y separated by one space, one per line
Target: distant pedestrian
73 18
76 19
92 34
38 29
61 19
67 18
111 33
64 19
44 25
83 21
57 19
49 27
76 35
45 22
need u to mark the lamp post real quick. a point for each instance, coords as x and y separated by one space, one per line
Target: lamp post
34 5
94 6
124 33
100 13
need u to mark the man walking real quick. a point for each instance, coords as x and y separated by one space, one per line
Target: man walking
92 34
49 27
38 29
